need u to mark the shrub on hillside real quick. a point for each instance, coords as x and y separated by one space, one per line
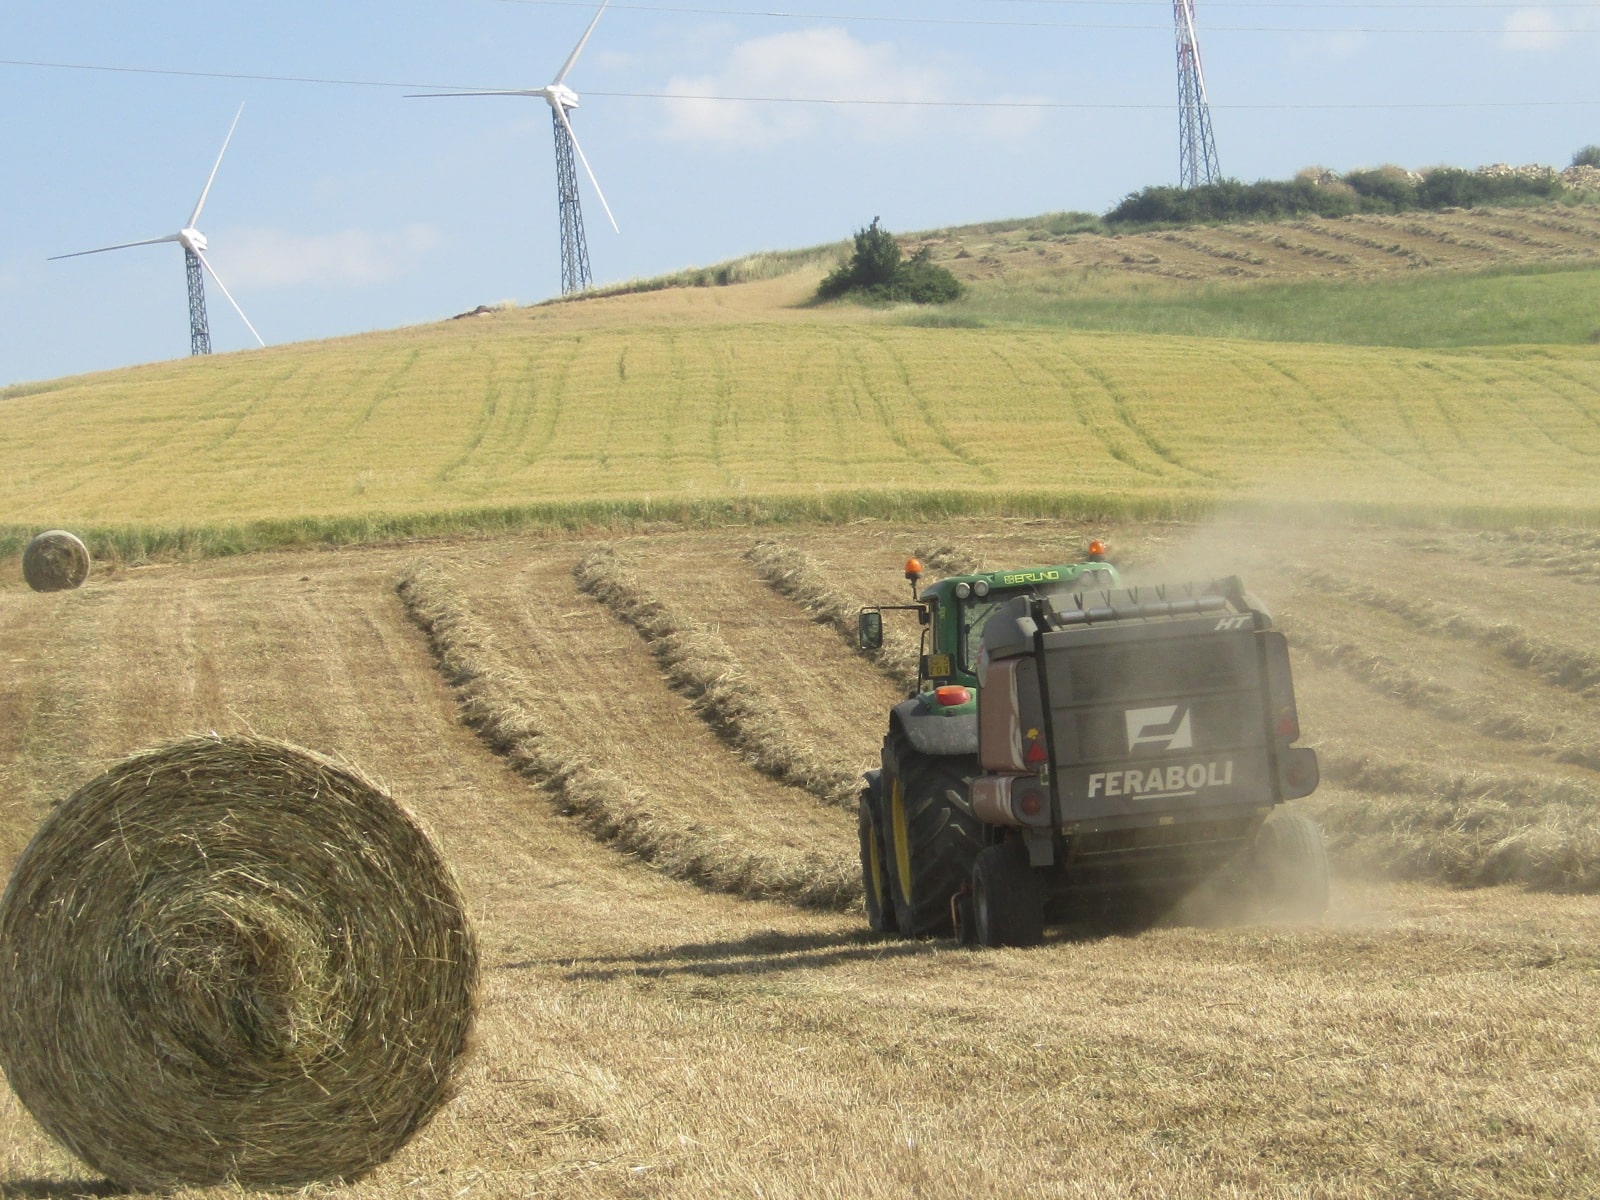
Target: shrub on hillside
1589 156
1064 223
1386 187
877 271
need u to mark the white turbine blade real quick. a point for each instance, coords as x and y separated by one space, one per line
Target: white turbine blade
201 203
578 49
567 125
212 271
171 237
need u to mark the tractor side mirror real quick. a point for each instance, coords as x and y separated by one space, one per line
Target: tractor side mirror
869 629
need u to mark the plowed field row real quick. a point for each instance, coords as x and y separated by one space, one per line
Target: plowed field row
572 695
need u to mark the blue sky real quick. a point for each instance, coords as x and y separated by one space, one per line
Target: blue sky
343 207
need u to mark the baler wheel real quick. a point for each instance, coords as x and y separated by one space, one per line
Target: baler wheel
1007 897
1291 867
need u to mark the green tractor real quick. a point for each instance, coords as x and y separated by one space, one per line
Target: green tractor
1074 741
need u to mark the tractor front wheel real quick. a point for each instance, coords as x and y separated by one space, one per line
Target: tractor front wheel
874 862
930 841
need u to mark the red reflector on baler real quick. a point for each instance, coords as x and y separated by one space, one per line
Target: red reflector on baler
1035 753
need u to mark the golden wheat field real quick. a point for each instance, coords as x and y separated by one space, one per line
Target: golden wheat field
681 998
744 395
525 415
636 737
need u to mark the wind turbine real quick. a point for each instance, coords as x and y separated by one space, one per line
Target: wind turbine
194 248
562 100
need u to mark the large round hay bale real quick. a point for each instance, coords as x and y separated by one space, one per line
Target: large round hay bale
55 561
230 958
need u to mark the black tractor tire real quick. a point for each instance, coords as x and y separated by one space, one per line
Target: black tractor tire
1289 864
874 860
1007 897
930 842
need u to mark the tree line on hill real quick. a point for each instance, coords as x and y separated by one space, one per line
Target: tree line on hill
1315 192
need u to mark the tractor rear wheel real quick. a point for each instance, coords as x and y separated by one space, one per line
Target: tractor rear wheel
874 862
930 841
1290 867
1007 897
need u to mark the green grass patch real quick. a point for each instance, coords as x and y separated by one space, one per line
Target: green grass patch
1514 306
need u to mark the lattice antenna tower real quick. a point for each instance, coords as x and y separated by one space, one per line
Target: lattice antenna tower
574 246
1197 148
199 327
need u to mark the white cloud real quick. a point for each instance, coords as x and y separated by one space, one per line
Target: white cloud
1535 29
814 64
268 258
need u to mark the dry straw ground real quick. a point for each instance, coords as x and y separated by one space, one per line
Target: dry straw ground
676 1004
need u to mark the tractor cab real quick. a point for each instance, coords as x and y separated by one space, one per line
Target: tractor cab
954 611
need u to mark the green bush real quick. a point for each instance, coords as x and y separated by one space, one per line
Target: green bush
1589 156
1386 188
876 271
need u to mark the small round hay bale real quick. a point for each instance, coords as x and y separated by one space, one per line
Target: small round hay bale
233 959
55 561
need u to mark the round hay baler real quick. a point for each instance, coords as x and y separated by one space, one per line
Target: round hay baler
233 959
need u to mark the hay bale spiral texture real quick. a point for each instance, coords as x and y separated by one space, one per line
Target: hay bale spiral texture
55 561
230 958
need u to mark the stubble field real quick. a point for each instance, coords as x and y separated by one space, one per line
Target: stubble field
632 748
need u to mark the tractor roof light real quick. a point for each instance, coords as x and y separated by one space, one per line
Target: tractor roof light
1097 551
913 574
963 590
951 695
980 588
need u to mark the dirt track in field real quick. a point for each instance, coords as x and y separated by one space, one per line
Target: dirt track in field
644 1035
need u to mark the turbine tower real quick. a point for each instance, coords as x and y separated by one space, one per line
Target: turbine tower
1197 149
195 261
562 99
